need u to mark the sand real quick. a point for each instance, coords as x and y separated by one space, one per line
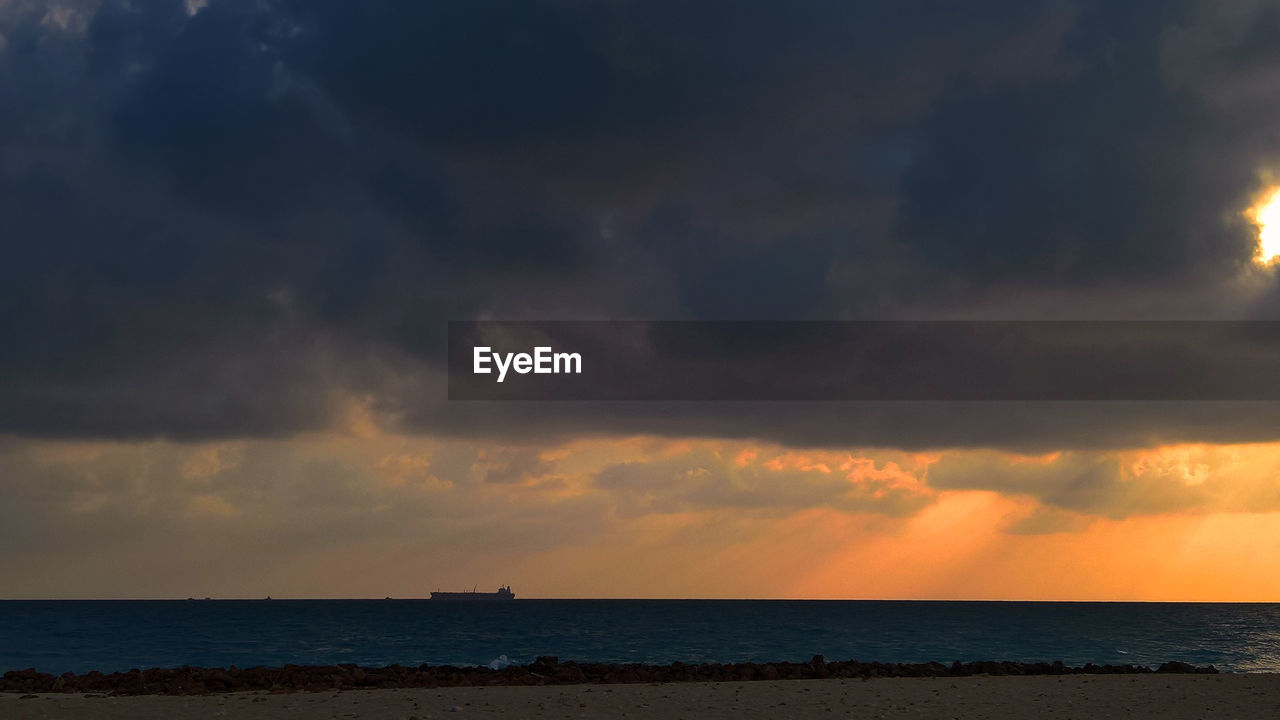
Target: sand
1089 697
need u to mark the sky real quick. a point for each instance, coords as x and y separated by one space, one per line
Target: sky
232 233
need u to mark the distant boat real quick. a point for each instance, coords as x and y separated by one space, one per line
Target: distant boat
503 593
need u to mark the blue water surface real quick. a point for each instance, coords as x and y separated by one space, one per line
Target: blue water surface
60 635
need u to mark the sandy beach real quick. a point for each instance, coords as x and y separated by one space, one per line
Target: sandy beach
1091 697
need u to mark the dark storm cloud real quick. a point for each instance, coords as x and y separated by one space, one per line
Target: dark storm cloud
217 220
1107 172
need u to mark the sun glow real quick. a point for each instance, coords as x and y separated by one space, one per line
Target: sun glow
1267 216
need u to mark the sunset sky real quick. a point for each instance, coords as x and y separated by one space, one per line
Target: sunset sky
232 233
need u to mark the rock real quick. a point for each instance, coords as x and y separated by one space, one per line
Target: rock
546 669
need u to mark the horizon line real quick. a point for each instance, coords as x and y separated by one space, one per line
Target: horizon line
273 598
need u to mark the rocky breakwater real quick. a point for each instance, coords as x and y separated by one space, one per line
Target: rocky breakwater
543 671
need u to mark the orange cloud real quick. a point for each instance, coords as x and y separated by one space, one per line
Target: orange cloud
638 517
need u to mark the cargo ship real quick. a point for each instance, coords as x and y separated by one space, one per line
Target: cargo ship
503 593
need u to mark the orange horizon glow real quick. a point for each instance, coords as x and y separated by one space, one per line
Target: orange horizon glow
654 517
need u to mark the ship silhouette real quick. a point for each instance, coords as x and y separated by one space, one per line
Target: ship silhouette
503 593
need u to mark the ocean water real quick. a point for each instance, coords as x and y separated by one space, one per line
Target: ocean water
57 636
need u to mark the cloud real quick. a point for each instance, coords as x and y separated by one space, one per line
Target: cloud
255 517
1120 484
766 483
223 221
177 519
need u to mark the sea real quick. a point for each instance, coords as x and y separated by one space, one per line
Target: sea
115 635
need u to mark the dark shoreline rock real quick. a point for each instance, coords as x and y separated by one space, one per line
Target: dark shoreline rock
546 670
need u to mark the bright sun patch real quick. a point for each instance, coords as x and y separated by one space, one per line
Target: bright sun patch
1267 215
